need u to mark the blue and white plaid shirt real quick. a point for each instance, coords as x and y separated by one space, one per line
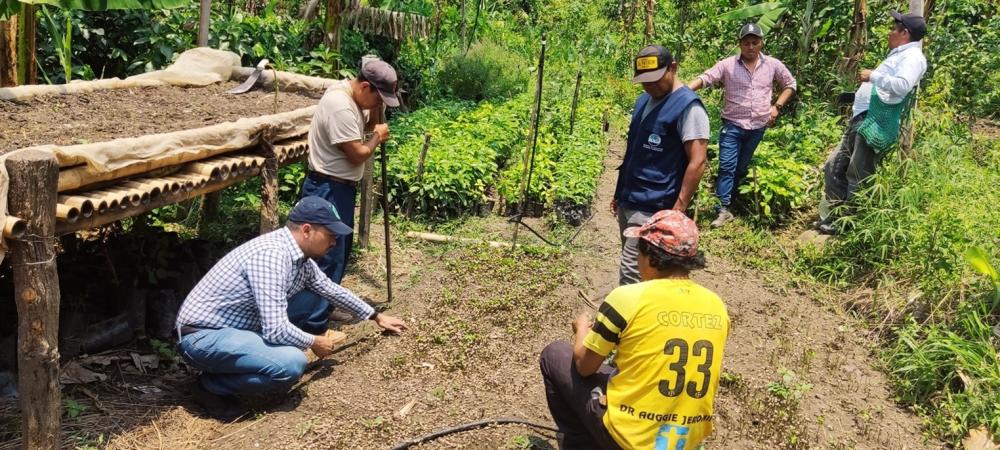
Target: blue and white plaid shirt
248 289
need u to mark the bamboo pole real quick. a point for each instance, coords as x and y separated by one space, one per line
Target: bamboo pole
84 204
67 213
34 176
14 227
27 73
151 190
214 172
122 199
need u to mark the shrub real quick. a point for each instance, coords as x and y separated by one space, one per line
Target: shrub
486 71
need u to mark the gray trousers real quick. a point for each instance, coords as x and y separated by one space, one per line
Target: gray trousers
628 271
849 166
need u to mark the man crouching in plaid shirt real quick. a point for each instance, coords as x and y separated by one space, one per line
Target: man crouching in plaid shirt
234 326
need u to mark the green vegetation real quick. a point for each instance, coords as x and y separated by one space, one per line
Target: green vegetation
922 236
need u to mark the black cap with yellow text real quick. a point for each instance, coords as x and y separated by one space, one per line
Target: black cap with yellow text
651 63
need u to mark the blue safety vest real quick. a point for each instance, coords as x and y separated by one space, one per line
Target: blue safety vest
651 173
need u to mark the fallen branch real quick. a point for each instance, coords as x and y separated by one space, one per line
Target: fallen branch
442 238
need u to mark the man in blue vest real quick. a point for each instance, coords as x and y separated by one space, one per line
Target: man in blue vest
665 154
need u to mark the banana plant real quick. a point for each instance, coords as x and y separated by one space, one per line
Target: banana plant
25 10
64 47
768 14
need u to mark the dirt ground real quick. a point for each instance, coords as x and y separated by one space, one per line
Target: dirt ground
797 374
105 115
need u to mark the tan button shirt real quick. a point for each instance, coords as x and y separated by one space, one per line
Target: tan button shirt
338 119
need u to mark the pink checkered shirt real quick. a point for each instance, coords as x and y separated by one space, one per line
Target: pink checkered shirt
748 96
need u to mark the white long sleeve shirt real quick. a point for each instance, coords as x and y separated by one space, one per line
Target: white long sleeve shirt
898 74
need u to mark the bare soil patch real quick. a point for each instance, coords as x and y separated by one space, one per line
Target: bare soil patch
118 113
797 374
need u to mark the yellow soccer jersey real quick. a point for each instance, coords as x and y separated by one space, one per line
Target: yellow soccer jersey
670 335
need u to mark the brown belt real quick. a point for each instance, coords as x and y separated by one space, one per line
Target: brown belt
323 176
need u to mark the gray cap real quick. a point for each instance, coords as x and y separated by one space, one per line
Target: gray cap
751 29
381 75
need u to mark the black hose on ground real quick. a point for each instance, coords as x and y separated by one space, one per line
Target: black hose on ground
471 426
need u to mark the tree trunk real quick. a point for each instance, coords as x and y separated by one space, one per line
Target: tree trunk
8 52
334 8
856 42
33 179
268 189
27 71
649 21
907 133
205 16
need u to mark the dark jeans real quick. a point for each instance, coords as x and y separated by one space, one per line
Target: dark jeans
850 165
342 196
736 147
307 308
574 400
236 361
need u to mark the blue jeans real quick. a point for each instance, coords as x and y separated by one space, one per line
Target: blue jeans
240 361
736 147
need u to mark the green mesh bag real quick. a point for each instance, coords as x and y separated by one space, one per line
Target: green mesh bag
881 126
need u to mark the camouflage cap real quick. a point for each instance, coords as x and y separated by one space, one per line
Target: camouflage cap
670 231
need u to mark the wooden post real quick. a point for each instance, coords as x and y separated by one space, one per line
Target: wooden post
210 205
385 222
420 170
205 17
332 24
649 21
34 175
268 189
8 52
26 68
365 224
576 97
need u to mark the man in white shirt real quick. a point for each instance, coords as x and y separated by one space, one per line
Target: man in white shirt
855 160
338 151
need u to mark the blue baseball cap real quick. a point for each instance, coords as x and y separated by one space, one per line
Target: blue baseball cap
317 211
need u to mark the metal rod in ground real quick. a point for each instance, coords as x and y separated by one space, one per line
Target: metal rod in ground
385 220
534 140
576 97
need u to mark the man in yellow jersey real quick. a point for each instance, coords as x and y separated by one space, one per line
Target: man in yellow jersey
669 333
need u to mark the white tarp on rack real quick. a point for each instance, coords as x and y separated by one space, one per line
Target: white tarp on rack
195 67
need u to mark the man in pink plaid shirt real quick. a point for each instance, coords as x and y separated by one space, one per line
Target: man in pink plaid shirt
748 80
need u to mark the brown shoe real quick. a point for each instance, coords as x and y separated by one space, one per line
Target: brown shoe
334 335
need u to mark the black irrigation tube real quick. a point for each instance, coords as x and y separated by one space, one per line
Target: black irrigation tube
471 426
517 220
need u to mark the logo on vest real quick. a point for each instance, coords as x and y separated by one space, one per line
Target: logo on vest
653 143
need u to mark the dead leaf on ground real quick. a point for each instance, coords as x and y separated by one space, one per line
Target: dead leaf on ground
74 373
405 410
979 439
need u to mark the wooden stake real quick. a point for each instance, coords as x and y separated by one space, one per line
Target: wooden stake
34 175
365 224
576 97
420 171
269 188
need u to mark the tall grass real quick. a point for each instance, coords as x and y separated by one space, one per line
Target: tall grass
908 238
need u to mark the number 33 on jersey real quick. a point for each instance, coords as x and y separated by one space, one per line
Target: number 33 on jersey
669 335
